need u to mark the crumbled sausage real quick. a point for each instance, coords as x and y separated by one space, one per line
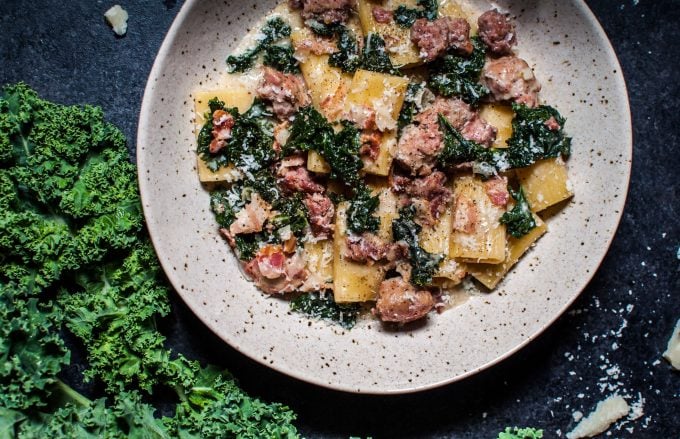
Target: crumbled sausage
293 176
327 11
382 15
223 122
369 248
321 212
418 148
399 301
285 91
511 79
370 144
432 196
466 215
315 44
274 272
434 38
497 32
479 131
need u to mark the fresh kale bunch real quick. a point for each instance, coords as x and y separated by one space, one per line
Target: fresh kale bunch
279 57
520 433
519 220
423 264
405 16
456 75
76 257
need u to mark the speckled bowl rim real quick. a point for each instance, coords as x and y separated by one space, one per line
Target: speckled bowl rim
627 148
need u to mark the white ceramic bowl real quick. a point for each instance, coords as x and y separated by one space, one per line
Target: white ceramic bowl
581 77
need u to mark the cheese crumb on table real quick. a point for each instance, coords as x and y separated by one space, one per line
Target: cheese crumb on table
117 18
672 353
605 414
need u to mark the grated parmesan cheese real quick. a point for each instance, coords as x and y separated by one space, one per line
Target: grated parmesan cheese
117 18
605 414
672 353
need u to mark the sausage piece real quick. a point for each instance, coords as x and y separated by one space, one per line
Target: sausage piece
434 38
497 32
285 91
511 79
321 211
399 301
327 11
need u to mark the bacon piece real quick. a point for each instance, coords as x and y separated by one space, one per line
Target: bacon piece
497 32
466 215
370 144
497 190
511 79
399 301
552 124
223 122
285 91
274 272
382 15
321 212
434 38
252 217
369 248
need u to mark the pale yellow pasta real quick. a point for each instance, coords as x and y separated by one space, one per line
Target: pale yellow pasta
491 274
236 96
500 116
486 243
545 183
319 255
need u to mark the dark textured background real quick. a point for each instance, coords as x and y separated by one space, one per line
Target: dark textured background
612 336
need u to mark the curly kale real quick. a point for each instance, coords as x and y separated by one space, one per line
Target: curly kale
405 16
519 220
455 75
423 264
281 57
347 57
360 214
410 106
375 58
520 433
274 30
291 212
532 139
321 305
71 227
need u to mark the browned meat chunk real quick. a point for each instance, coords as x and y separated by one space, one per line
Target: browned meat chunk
293 176
434 38
315 44
399 301
321 212
497 32
327 11
511 79
497 190
552 124
370 144
431 196
285 91
369 248
421 143
274 272
223 122
382 15
295 4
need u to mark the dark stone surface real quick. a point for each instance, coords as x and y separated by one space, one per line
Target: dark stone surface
620 323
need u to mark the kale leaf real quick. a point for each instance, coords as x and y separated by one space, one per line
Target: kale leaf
321 305
347 57
291 212
410 106
225 204
423 264
521 433
519 220
281 58
360 214
405 16
532 139
274 30
374 56
455 75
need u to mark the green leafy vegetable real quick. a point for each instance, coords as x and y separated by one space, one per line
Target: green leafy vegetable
455 75
71 227
291 213
225 204
321 305
532 139
410 106
360 214
519 220
374 56
281 57
423 263
405 16
347 57
520 433
274 30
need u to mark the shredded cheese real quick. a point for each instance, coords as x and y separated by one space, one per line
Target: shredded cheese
117 18
605 414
